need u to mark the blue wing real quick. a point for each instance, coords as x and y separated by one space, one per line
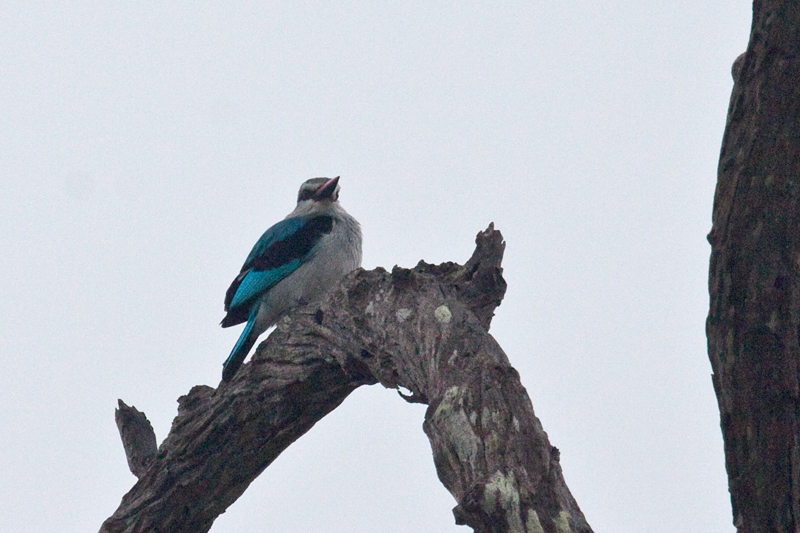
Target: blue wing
279 252
255 282
240 350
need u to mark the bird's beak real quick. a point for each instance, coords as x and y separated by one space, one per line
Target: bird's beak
327 189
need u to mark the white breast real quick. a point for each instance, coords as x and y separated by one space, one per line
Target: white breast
337 254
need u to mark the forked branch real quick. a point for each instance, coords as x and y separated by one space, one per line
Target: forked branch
424 329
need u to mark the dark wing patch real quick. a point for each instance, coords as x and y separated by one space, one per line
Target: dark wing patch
295 246
277 254
239 315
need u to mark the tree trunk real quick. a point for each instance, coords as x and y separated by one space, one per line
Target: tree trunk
754 280
424 329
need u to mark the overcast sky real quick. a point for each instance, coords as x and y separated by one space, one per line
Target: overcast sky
144 147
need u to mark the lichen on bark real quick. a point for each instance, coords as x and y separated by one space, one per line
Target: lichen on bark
424 330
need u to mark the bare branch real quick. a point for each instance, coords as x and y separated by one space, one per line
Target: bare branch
138 437
423 329
754 276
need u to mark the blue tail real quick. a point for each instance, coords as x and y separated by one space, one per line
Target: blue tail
240 350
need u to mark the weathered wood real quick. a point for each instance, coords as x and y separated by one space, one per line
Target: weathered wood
138 437
754 284
423 329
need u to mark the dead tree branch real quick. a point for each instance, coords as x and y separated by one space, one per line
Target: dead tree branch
423 329
754 278
138 437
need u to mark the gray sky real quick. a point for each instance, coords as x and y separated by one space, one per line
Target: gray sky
144 148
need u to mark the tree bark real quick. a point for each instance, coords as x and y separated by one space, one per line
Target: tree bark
754 285
424 329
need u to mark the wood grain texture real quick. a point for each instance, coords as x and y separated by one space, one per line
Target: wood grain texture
754 286
424 329
138 437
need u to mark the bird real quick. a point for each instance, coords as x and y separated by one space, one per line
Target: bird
295 262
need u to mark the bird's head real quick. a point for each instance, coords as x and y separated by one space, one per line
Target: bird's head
319 190
317 196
